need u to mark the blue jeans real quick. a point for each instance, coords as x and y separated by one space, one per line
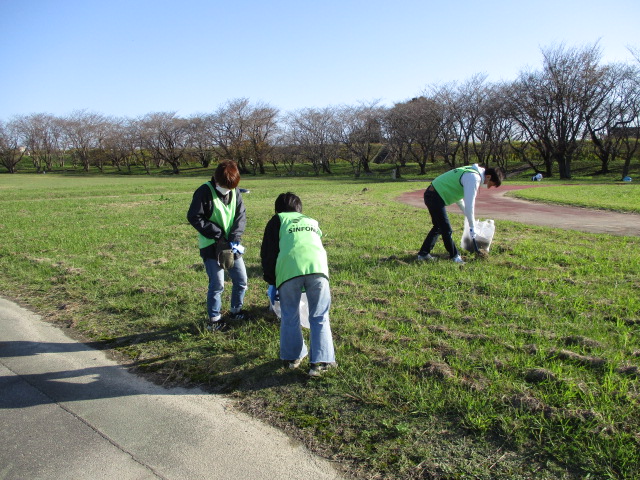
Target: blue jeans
441 224
238 276
292 346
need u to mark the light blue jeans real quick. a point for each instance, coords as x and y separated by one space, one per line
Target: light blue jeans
238 276
292 346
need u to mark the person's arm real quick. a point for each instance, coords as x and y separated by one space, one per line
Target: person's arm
270 249
470 184
200 211
240 220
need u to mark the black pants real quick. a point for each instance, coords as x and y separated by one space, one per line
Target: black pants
441 225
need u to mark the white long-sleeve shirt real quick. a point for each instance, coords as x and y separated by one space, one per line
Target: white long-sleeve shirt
470 184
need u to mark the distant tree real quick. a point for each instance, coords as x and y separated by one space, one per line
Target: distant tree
450 134
613 123
262 127
84 131
116 144
358 129
552 105
229 129
201 144
41 135
166 137
11 150
310 133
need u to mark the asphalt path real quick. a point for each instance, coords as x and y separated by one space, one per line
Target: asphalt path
68 411
493 203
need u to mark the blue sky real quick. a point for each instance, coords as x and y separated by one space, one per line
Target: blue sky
132 57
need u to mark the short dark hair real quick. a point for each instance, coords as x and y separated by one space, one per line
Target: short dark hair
227 174
497 175
288 202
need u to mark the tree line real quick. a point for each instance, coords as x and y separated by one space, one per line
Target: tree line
573 105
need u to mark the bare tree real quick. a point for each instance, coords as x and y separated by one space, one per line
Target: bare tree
450 137
41 135
310 132
262 126
116 144
201 146
11 150
84 131
166 136
613 123
358 129
552 105
493 128
229 129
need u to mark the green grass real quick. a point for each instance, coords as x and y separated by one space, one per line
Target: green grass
524 365
621 197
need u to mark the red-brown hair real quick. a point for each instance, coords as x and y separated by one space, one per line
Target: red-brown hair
227 174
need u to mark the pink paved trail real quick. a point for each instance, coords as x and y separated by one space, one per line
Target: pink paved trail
492 203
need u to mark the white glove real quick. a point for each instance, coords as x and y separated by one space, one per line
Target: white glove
237 248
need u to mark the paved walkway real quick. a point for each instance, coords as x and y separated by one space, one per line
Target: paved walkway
492 203
67 411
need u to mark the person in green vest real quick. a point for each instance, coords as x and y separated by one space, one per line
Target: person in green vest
218 213
459 186
294 260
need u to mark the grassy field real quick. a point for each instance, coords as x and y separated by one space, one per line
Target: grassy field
522 365
621 197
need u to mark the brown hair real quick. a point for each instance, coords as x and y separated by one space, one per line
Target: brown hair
227 174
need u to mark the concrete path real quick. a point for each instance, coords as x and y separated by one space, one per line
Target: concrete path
67 411
492 203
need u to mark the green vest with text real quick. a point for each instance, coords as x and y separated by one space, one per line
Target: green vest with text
448 184
222 215
301 250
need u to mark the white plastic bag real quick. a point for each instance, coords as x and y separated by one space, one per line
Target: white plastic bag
304 310
484 235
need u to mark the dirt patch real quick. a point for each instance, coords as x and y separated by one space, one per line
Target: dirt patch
492 203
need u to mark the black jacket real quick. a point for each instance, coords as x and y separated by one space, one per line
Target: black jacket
270 249
200 211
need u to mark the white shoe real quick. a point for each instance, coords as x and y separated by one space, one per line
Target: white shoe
458 259
428 256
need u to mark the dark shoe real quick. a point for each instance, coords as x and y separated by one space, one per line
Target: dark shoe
318 369
241 315
218 326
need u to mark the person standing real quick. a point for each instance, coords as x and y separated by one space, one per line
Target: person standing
459 186
218 213
294 259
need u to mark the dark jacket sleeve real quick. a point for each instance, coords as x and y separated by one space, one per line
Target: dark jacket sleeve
200 211
270 249
239 222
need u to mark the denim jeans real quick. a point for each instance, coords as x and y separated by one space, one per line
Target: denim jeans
292 346
238 276
441 225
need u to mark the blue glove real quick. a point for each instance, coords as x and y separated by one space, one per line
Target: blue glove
237 248
274 296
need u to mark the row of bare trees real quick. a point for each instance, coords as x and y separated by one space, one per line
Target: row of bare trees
572 106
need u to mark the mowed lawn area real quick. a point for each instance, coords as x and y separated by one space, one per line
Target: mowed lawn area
521 365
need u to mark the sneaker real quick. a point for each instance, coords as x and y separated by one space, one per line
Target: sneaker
292 364
426 256
240 315
318 369
458 259
217 326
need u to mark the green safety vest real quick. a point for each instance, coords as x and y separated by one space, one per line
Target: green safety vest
448 184
301 250
222 215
